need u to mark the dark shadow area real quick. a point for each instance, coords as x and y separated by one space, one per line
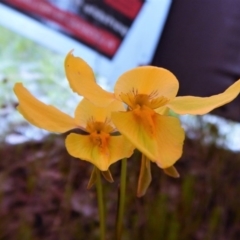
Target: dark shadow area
200 45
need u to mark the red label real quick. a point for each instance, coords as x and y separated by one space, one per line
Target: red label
129 8
100 39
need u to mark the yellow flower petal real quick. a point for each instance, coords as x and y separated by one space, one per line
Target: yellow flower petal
198 105
161 141
120 148
145 176
82 147
162 110
87 110
42 115
82 81
148 80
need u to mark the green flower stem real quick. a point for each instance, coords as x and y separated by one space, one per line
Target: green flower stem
121 199
101 207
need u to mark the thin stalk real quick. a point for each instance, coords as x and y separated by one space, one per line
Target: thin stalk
101 207
121 199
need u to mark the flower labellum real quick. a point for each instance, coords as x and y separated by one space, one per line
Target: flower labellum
148 92
97 146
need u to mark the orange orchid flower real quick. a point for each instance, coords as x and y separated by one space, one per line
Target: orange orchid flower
96 146
148 93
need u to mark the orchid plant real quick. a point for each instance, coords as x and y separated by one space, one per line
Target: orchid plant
113 124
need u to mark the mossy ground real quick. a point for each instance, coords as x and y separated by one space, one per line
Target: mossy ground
43 195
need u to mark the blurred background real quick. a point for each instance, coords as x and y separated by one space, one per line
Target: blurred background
43 191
